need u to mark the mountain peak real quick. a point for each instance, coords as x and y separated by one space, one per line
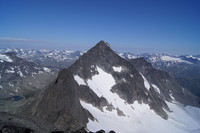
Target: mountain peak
102 44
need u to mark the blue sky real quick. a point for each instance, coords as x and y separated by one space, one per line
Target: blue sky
170 26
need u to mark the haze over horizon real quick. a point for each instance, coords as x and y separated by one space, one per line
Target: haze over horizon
128 26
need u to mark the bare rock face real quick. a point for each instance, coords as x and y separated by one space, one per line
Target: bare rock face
59 104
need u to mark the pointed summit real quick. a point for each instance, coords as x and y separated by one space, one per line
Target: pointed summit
102 43
101 46
100 55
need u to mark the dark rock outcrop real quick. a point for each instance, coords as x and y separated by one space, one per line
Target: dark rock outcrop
59 104
10 123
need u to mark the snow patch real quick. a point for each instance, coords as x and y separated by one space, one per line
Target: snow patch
117 69
10 84
10 71
47 69
123 79
20 73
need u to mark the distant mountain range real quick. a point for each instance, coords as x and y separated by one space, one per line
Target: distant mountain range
185 68
21 78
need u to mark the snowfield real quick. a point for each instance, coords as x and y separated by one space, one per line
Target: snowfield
143 120
138 118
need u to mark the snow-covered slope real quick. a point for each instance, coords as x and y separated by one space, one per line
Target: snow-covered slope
141 119
136 117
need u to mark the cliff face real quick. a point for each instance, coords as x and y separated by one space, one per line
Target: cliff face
59 104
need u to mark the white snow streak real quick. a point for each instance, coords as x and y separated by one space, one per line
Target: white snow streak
156 88
146 83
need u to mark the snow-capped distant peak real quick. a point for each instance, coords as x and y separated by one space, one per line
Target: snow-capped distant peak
190 56
175 59
5 58
44 50
129 55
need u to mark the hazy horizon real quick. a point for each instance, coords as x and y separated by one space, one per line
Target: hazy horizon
41 44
